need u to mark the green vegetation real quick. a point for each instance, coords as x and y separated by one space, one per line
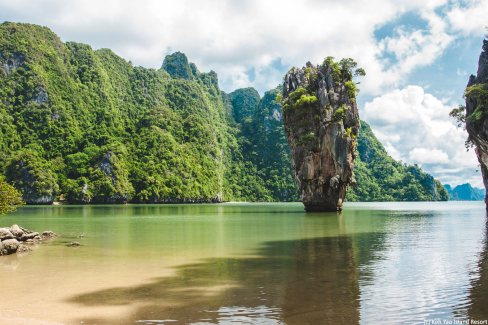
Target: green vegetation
381 178
86 126
343 71
264 144
479 94
10 198
351 88
340 113
459 113
177 66
101 130
244 101
32 175
299 98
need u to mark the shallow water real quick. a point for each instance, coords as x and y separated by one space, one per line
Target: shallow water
387 263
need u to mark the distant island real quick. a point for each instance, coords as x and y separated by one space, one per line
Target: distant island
85 126
465 192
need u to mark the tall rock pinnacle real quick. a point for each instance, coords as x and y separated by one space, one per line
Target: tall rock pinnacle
477 112
322 123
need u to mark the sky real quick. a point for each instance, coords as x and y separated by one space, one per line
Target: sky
418 54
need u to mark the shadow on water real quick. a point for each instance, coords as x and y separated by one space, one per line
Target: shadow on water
479 290
307 281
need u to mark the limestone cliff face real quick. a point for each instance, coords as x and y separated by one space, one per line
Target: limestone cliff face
322 123
476 118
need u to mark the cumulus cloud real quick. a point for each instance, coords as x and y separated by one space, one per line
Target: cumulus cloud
416 48
236 37
415 127
428 156
470 18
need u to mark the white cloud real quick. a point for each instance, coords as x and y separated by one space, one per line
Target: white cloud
428 156
415 127
413 49
233 37
471 18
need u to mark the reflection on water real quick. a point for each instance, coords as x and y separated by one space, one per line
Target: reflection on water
391 263
478 297
307 281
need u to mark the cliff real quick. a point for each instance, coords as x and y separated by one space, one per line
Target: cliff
322 123
477 112
87 126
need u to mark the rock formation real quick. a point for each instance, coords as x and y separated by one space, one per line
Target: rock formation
477 112
18 240
322 123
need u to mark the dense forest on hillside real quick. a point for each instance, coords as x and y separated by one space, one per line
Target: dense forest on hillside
87 126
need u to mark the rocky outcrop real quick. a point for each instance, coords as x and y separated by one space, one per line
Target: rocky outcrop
322 123
18 240
115 175
10 63
477 114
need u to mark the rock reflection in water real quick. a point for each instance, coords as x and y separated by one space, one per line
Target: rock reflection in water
309 281
479 291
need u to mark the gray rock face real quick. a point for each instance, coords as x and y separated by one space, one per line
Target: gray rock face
108 167
11 63
478 129
41 200
42 96
322 123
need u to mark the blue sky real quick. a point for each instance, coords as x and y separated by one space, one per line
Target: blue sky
418 54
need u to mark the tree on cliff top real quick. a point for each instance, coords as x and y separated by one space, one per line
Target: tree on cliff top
10 198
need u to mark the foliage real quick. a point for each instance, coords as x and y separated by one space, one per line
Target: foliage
298 98
479 94
32 175
306 100
244 101
351 88
10 198
87 126
343 71
169 137
264 145
459 113
381 178
107 132
177 66
339 114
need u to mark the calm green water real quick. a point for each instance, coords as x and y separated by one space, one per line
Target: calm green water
374 263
